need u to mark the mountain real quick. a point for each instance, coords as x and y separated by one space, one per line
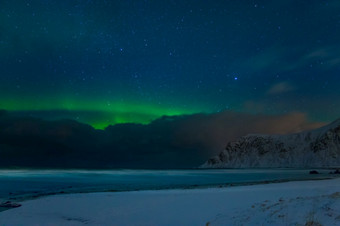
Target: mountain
313 148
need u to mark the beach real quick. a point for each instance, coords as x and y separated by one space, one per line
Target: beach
288 203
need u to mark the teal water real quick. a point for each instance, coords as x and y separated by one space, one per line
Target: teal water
21 184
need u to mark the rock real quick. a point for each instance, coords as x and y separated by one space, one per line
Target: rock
337 171
319 148
313 172
9 204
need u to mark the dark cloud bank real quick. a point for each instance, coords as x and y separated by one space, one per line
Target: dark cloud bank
168 142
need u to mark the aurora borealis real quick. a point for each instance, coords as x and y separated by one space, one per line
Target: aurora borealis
107 62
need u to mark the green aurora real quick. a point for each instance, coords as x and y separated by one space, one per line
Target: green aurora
96 113
109 62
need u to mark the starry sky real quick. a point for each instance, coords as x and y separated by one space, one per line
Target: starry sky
107 62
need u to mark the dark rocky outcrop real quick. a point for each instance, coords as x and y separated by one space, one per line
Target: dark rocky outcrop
314 148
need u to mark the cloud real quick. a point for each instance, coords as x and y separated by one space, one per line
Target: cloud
329 56
334 62
168 142
96 118
282 87
213 131
276 59
272 57
322 52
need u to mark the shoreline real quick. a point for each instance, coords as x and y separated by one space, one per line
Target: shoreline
29 197
35 196
268 204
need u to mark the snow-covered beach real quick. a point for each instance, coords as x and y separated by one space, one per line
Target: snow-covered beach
289 203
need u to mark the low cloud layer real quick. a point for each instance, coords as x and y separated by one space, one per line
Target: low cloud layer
168 142
281 87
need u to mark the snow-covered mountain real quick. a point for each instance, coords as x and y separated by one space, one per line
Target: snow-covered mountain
314 148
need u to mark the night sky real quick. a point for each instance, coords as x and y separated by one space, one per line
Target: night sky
108 62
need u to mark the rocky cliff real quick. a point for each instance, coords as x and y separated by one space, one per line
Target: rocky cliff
314 148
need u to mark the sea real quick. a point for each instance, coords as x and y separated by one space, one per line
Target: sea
18 185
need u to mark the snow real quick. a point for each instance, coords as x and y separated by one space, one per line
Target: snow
308 149
287 203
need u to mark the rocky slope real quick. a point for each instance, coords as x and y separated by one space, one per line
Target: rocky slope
314 148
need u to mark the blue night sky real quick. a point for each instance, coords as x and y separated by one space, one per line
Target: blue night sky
107 62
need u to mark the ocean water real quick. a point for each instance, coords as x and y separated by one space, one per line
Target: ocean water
23 184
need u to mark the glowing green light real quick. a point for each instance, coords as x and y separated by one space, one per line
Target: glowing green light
110 113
